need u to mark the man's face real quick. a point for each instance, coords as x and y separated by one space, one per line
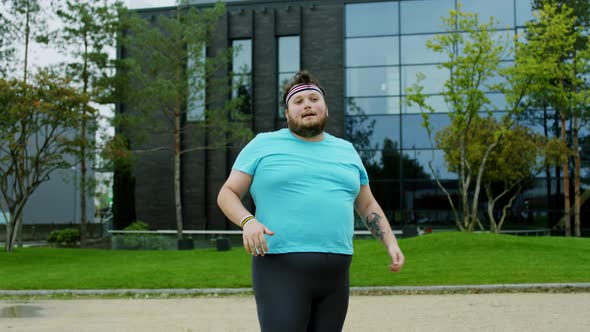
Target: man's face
307 113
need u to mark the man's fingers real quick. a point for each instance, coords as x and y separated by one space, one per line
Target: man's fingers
263 247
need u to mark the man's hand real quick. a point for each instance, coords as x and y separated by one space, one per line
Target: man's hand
397 258
253 235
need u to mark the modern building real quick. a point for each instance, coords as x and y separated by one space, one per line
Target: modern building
365 54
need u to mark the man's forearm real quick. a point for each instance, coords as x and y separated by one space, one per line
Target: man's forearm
231 205
377 224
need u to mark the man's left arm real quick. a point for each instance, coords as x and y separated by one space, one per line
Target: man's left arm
374 218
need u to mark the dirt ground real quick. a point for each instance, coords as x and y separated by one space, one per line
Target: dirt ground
458 312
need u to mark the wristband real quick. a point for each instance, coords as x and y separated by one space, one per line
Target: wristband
246 220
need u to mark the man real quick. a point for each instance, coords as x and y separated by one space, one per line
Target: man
305 184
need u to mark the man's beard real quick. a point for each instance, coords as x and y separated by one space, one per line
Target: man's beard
308 129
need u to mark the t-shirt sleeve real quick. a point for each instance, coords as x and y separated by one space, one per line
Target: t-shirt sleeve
364 176
248 158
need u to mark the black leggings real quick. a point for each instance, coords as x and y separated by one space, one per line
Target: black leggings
301 291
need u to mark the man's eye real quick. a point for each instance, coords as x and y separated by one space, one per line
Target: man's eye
314 99
298 101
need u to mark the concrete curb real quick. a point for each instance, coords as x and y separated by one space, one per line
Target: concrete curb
384 290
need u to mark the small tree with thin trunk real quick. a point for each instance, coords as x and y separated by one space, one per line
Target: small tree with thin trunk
171 79
88 33
473 61
36 129
561 68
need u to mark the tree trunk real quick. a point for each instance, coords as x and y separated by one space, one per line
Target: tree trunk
177 196
548 201
491 204
566 182
83 142
577 198
8 247
83 220
474 208
464 180
576 153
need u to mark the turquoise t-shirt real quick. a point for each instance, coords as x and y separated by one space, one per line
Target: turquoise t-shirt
304 191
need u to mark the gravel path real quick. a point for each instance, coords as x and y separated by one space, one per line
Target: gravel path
456 312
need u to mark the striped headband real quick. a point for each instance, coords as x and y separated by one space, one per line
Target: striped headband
302 87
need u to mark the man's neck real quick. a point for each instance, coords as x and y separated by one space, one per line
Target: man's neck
316 138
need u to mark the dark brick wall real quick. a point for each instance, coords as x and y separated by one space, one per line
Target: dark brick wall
320 25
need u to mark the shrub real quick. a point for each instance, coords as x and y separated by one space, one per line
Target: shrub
137 226
67 237
140 241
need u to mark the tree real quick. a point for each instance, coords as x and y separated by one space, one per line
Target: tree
473 62
25 21
518 157
581 11
88 32
561 68
169 74
36 123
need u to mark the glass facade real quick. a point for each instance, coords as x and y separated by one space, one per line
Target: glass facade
385 48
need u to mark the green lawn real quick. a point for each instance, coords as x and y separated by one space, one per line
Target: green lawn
434 259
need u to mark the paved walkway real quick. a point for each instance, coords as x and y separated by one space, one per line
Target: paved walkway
522 312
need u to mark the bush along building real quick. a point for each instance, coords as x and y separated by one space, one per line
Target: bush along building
369 56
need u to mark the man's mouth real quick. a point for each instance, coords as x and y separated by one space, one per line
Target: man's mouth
308 114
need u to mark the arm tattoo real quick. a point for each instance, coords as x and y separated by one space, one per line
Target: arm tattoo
374 225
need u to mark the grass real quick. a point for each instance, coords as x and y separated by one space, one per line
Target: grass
435 259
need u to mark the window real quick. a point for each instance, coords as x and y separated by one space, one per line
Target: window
414 50
501 10
376 51
289 59
242 73
372 19
373 81
423 16
196 85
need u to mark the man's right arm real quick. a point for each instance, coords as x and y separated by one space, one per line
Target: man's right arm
230 202
231 194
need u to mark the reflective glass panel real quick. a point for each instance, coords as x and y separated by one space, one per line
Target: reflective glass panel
289 54
283 79
435 101
379 81
506 39
415 20
424 157
372 105
524 11
434 81
376 128
377 51
501 10
489 82
415 135
196 88
414 50
497 101
372 19
242 57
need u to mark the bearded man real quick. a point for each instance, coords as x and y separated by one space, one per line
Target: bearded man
305 184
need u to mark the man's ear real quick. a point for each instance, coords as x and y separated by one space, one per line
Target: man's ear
286 117
326 111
